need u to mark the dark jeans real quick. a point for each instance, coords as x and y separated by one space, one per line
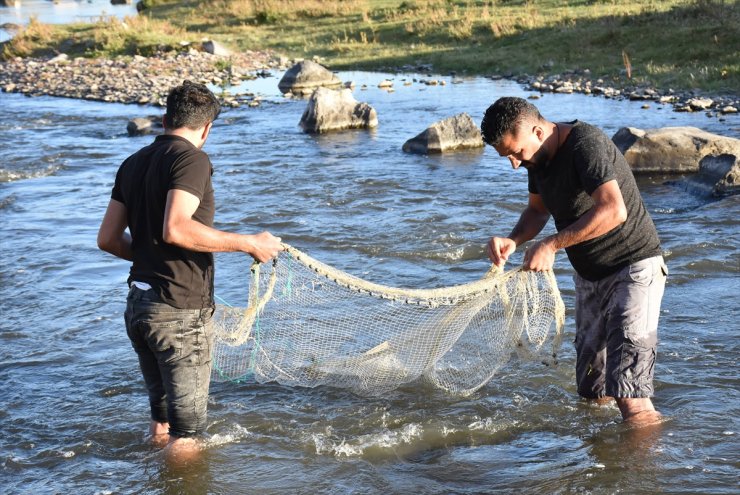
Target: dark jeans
174 348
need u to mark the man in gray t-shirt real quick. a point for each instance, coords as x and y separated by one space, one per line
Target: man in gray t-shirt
577 176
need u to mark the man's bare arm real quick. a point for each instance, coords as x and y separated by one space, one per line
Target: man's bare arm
607 213
531 222
112 235
181 230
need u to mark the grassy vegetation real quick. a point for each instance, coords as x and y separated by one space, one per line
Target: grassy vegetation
668 43
106 37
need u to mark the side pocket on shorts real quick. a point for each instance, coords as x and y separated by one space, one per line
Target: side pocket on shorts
164 338
641 273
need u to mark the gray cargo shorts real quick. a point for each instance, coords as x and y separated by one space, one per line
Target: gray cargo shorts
617 330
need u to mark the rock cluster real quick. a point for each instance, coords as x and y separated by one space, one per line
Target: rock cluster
143 80
581 82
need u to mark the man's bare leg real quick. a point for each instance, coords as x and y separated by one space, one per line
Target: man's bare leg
182 450
638 411
159 433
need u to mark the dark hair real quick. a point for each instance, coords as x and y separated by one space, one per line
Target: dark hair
504 116
190 105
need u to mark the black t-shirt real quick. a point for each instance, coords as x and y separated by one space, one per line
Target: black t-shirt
181 278
586 160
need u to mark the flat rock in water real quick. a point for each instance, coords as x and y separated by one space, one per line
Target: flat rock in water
453 133
671 149
331 110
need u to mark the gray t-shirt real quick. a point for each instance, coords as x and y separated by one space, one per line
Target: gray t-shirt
586 160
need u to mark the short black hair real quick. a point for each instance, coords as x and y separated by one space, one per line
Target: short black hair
190 105
504 116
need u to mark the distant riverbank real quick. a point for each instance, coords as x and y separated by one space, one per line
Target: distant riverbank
669 47
146 80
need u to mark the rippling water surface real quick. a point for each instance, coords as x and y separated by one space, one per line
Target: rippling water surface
73 412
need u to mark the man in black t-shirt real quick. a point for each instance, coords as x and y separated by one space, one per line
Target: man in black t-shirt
578 176
163 195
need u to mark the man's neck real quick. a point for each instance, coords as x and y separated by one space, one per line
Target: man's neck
194 136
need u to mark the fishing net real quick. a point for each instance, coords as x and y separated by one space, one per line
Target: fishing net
308 324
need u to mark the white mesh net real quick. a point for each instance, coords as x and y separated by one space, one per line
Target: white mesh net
308 324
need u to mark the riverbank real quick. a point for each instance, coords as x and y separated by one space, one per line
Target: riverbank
669 44
146 80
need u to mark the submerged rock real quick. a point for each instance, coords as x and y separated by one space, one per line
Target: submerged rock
719 175
141 126
671 149
306 76
453 133
331 110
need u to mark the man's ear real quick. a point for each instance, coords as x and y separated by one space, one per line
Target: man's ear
539 132
206 130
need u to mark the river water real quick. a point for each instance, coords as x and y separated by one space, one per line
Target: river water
73 412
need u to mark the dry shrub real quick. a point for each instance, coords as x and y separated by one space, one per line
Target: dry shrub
273 11
34 34
113 36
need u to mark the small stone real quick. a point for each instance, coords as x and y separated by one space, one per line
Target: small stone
385 83
645 106
700 103
62 57
728 109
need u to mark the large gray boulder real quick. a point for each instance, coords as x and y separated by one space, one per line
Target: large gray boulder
332 110
671 149
306 76
453 133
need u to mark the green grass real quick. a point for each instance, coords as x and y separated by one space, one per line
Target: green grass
681 44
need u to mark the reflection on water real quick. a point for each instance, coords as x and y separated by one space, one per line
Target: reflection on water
72 408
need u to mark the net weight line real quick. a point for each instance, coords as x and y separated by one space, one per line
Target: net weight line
309 324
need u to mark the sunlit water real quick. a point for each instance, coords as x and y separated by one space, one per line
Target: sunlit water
73 412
